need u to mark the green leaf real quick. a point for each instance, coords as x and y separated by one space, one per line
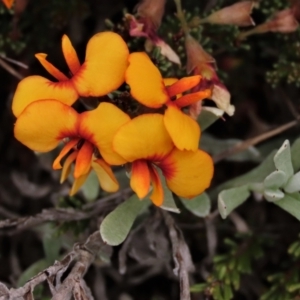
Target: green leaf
208 116
283 160
197 288
273 195
293 184
291 204
32 271
91 187
293 287
228 200
227 291
258 174
275 180
169 203
216 146
295 152
52 247
199 206
117 224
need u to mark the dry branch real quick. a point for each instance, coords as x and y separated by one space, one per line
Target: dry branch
73 285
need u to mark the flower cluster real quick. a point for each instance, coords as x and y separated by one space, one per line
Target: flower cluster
163 137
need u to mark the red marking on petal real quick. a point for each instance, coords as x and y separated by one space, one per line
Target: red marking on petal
83 160
56 164
168 167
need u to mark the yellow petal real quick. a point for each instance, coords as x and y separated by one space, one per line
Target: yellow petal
67 147
105 64
83 160
106 177
184 131
157 195
78 183
99 127
65 172
140 178
169 81
145 80
182 85
143 137
192 98
70 55
187 173
43 124
50 68
35 88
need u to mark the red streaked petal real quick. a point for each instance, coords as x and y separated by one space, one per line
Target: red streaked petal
189 99
105 64
100 125
144 137
70 55
50 68
67 147
106 177
157 195
78 183
145 80
65 172
183 84
187 173
177 122
83 160
44 123
140 178
33 88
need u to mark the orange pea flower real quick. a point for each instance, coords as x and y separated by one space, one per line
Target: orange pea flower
148 87
8 3
102 72
43 124
146 143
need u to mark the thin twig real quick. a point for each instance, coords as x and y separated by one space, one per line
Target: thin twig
253 141
11 70
15 62
181 18
73 284
89 210
181 256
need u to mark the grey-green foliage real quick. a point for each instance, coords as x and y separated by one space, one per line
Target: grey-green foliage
229 267
281 186
285 285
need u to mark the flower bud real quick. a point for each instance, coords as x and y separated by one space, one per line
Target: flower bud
150 13
152 10
283 21
236 14
195 54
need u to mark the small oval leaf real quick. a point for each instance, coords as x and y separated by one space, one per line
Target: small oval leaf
275 180
283 160
291 204
230 199
273 195
293 184
199 206
117 224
